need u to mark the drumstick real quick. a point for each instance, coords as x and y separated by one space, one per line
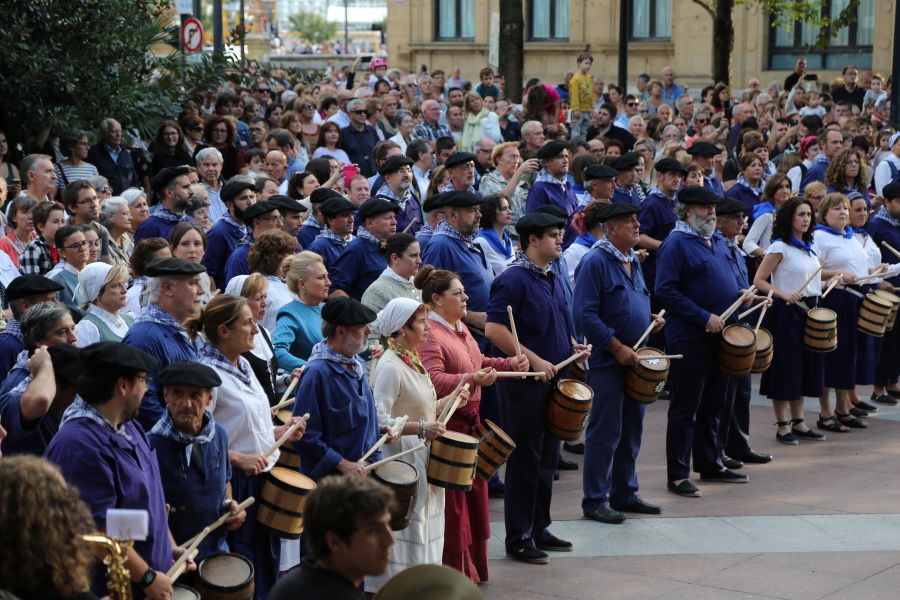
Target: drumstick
179 567
399 424
765 308
372 369
514 374
284 437
512 328
647 332
752 309
284 402
411 223
655 356
393 457
453 407
572 358
808 281
730 310
891 248
453 396
877 273
833 283
218 523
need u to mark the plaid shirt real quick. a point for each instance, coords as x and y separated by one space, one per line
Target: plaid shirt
82 410
36 258
13 329
425 131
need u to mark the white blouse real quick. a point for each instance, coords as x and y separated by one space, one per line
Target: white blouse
87 333
277 295
495 260
573 256
874 256
760 234
842 254
796 266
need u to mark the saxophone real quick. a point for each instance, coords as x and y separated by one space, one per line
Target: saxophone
118 579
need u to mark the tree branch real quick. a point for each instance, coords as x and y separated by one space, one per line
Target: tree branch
707 7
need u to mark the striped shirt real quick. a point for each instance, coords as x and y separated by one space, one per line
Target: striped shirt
66 174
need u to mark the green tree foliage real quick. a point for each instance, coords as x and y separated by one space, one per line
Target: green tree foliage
313 27
70 63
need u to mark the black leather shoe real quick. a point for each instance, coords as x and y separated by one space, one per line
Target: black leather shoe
574 448
685 488
605 514
724 476
532 556
888 399
566 465
552 543
755 458
731 463
858 412
638 505
863 405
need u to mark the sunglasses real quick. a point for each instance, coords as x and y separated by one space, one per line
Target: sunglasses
357 112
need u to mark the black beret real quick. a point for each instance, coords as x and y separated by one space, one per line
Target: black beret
616 209
458 158
347 311
730 206
189 373
24 286
702 148
461 199
890 191
551 150
376 206
553 210
435 202
598 171
286 203
164 267
321 194
258 209
670 165
393 164
103 356
233 188
335 206
165 177
629 160
697 194
537 222
66 363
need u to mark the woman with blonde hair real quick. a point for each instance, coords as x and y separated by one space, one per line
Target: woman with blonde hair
299 322
103 288
478 123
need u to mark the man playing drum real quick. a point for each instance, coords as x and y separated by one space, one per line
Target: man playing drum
884 228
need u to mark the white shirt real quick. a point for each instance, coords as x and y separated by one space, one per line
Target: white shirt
495 260
760 234
341 118
883 171
87 333
573 256
796 267
398 139
133 298
795 174
874 256
277 296
842 254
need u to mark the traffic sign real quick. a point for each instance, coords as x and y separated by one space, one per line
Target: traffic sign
191 35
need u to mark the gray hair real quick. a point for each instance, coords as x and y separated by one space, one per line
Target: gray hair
355 104
154 287
402 114
131 195
682 211
113 206
209 153
29 163
680 101
98 182
529 127
39 320
106 124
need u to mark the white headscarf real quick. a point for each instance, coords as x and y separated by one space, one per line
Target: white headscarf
395 315
236 284
90 280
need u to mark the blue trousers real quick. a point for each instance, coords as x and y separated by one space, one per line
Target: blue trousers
697 394
612 440
734 423
252 540
531 466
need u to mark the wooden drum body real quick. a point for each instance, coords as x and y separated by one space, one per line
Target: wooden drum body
494 447
820 332
568 409
402 479
765 351
281 501
226 577
452 460
894 299
737 350
645 382
874 313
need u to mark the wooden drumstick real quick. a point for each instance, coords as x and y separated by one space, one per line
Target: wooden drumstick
285 402
877 273
399 424
411 223
453 396
217 523
655 356
284 437
518 374
808 281
512 328
372 369
453 407
572 358
730 310
763 313
752 309
393 457
891 248
648 330
179 567
833 283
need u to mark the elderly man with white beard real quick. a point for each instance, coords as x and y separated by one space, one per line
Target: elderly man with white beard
695 284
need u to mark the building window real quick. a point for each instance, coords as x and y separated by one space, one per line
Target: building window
850 45
549 20
455 19
651 19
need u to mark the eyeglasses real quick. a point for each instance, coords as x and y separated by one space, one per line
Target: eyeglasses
77 246
90 200
307 107
632 104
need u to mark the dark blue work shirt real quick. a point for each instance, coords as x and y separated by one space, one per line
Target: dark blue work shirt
238 263
360 147
328 249
221 241
21 437
657 219
357 267
884 231
467 261
307 234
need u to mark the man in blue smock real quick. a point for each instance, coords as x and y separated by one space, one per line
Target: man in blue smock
335 391
32 411
551 185
435 212
104 452
225 236
338 232
362 262
260 217
884 227
315 222
545 331
657 216
461 173
703 153
175 290
695 284
173 188
192 450
398 188
22 293
627 177
613 312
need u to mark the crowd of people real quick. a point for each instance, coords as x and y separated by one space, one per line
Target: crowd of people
400 246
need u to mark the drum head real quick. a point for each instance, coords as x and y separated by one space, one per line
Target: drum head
284 416
823 315
490 425
893 298
876 299
226 570
183 592
293 478
575 389
397 472
738 335
653 364
763 338
459 437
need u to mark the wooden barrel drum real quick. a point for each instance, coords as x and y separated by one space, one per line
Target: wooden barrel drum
452 460
820 332
568 409
402 479
281 501
894 299
494 447
645 382
226 577
765 351
737 350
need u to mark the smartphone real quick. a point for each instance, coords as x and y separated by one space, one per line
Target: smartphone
808 77
350 171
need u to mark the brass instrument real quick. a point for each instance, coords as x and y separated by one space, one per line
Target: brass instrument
118 579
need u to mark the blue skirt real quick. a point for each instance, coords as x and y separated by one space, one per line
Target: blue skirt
840 365
795 372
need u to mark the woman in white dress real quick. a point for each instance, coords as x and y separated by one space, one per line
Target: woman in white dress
402 387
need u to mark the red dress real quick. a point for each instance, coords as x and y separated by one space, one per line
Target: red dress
448 355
